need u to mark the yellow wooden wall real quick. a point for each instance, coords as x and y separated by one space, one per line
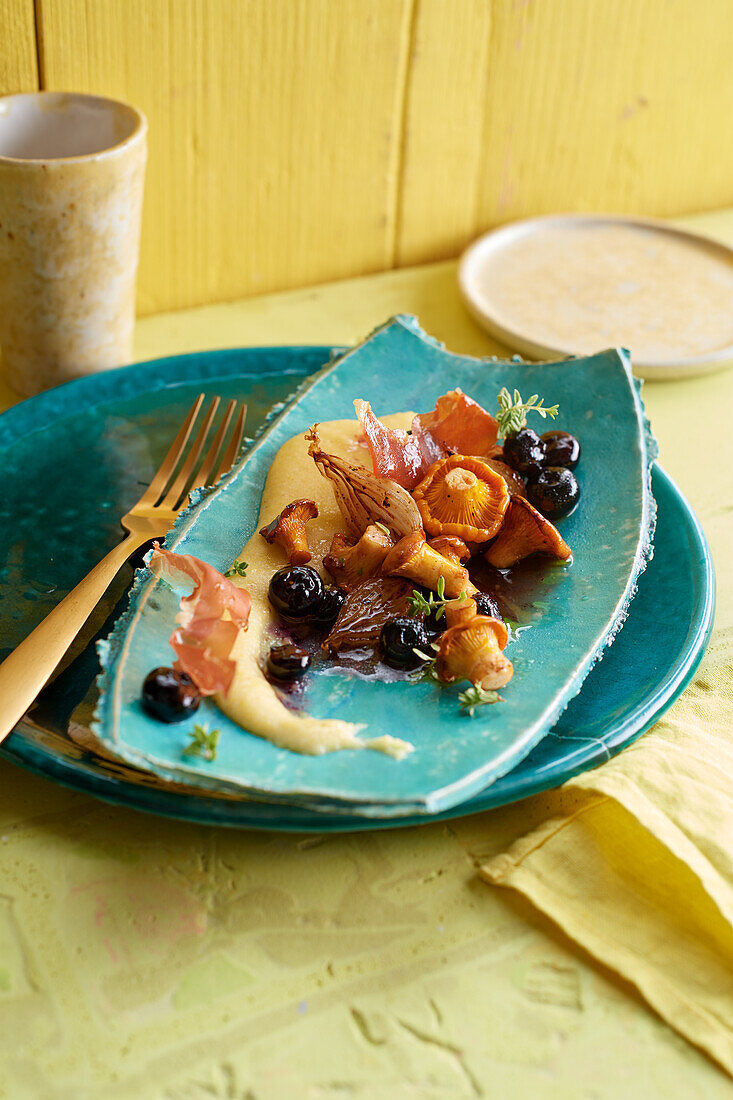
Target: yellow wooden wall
297 141
18 67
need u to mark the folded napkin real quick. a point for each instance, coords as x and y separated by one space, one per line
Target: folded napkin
635 863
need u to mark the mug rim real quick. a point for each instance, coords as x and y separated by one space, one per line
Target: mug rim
139 130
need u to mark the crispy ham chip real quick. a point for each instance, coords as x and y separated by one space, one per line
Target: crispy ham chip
212 612
457 425
396 454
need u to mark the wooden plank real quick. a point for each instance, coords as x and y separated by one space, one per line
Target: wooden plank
444 121
18 64
297 141
273 133
618 105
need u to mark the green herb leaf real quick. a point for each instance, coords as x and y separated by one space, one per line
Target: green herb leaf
417 603
512 415
428 668
382 527
203 743
477 697
239 569
422 606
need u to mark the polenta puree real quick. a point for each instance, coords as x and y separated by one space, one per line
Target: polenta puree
252 701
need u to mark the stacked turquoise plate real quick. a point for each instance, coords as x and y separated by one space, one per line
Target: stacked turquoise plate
107 435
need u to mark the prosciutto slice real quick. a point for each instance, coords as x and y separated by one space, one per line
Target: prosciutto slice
457 425
396 454
211 614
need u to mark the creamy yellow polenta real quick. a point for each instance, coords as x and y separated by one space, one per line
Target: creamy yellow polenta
252 701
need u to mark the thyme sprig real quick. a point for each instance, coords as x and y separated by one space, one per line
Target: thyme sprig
428 669
239 569
427 605
477 697
512 415
203 742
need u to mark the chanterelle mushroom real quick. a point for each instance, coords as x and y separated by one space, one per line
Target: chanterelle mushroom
462 496
472 651
413 558
460 611
525 531
351 563
514 482
451 547
288 530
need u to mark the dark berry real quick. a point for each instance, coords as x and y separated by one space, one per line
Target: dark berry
434 624
554 492
327 611
398 641
561 449
170 695
295 592
524 451
287 663
486 605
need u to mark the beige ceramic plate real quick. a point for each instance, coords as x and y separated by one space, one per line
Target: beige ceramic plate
573 283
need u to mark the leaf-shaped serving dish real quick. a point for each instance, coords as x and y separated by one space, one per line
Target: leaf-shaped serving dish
573 613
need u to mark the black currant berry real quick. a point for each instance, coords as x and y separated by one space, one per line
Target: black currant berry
561 449
524 451
327 610
170 695
554 492
287 663
486 605
295 592
398 641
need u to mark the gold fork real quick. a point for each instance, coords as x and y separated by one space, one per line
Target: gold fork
29 666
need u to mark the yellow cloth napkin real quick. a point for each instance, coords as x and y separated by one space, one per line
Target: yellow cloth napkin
635 863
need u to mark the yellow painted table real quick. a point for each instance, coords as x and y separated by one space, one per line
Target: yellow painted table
145 958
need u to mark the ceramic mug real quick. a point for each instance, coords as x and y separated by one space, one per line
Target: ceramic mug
72 169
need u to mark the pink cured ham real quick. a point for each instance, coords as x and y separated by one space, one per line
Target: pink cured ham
457 425
460 424
212 612
396 454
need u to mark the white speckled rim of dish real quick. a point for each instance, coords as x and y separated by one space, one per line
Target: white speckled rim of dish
63 127
487 250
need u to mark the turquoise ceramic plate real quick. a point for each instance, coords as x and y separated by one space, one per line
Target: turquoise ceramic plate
573 613
642 673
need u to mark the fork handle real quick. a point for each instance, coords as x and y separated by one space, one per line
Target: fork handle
30 665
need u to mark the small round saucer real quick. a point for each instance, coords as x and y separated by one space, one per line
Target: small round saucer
573 284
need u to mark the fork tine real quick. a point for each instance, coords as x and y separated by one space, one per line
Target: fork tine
234 444
169 463
211 455
179 488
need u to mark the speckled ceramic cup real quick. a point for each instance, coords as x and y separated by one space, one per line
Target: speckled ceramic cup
72 169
